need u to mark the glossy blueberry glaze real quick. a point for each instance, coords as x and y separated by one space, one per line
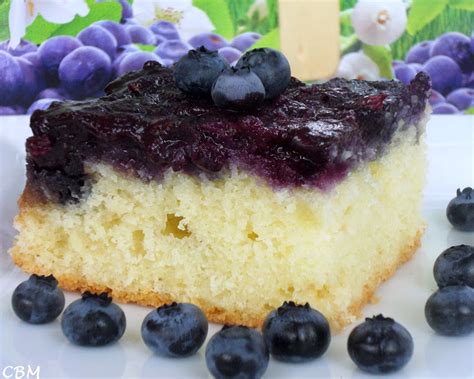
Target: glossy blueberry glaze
308 136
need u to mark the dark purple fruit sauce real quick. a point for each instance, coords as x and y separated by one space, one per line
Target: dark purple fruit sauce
309 135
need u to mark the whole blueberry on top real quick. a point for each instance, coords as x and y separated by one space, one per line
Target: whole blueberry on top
38 300
450 310
296 333
455 266
93 320
380 345
460 210
175 330
237 352
271 67
196 72
238 89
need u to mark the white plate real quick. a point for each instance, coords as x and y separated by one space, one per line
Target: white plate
451 156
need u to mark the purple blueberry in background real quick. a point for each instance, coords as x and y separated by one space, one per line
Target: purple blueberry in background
436 98
245 40
457 46
41 104
129 21
33 81
159 40
53 51
230 54
11 79
23 48
127 11
165 29
173 49
33 58
444 72
416 66
404 73
97 36
135 61
444 108
118 31
397 62
141 35
167 62
52 93
7 111
419 53
211 41
461 98
85 71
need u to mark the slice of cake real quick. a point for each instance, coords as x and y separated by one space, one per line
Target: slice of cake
155 196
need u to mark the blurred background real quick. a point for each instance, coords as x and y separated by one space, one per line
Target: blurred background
56 50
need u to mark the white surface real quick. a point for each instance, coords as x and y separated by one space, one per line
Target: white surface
451 157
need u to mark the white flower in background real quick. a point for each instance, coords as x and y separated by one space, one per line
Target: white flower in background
259 6
379 22
23 12
358 66
189 20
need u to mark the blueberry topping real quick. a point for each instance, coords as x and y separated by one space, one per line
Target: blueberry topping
455 266
38 300
196 72
238 89
380 345
296 333
460 211
93 320
175 330
237 352
450 310
271 67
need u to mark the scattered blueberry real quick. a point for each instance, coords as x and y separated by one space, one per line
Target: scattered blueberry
237 352
93 320
380 345
175 330
230 54
404 73
38 300
450 310
165 29
419 53
271 67
444 72
96 35
455 266
173 49
11 79
118 31
296 333
141 35
238 89
245 40
456 46
135 61
461 98
197 71
211 41
460 210
444 108
40 104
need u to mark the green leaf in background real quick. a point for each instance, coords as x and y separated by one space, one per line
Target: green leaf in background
271 39
348 43
149 48
40 30
469 111
422 12
4 9
382 56
218 12
467 5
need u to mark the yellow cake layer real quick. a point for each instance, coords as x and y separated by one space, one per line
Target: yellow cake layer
234 246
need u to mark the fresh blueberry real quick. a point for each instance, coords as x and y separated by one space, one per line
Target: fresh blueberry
237 352
419 53
127 10
416 66
52 93
172 49
135 61
460 210
296 333
165 29
404 73
93 320
271 67
457 46
11 79
436 98
53 51
444 108
118 31
238 89
141 35
85 71
230 54
245 40
461 98
34 59
468 80
23 48
196 72
450 310
159 40
397 62
33 81
7 111
455 266
96 35
211 41
380 345
38 300
444 72
40 104
175 330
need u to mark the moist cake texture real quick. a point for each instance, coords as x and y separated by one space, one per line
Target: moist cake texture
155 197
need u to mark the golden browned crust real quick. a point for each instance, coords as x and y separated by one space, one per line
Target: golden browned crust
221 316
